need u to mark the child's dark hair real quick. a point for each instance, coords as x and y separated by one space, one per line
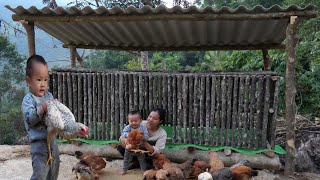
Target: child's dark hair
162 114
134 112
31 60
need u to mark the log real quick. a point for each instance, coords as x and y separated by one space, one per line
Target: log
257 161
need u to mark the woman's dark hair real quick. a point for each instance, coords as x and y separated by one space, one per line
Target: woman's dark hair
31 60
162 114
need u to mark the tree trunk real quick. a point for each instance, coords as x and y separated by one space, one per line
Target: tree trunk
29 27
290 95
144 59
266 60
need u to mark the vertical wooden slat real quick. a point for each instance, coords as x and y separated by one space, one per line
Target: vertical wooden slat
117 107
266 111
99 116
90 101
170 100
121 101
155 91
253 104
55 84
146 95
223 129
213 131
218 110
141 93
235 111
135 91
229 109
74 98
60 82
258 121
240 111
246 108
112 107
150 92
108 112
274 113
126 95
85 99
80 97
69 91
160 91
179 108
104 104
207 110
94 104
165 96
174 108
64 89
185 108
130 92
190 108
201 91
196 109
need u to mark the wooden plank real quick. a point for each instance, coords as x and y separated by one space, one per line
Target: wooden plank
266 111
165 96
141 94
196 109
121 101
235 114
253 104
74 95
201 91
229 110
213 132
64 89
126 95
104 104
160 91
112 107
117 107
185 108
179 109
240 111
85 99
170 102
109 105
130 92
246 109
60 87
146 96
276 82
80 97
207 110
55 84
99 113
135 92
190 108
174 108
94 105
155 91
223 120
218 111
90 103
69 91
259 118
150 92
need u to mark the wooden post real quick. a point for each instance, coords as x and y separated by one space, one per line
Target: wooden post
290 95
266 60
29 27
73 56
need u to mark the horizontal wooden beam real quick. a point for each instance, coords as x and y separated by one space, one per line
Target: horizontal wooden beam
164 17
182 48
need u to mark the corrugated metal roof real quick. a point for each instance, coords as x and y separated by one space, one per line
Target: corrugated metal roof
165 28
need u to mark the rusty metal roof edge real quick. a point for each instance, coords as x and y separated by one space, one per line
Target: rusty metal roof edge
161 9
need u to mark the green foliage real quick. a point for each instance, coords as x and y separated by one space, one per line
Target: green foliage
11 91
134 64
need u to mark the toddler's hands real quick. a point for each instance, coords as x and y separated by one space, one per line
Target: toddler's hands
44 106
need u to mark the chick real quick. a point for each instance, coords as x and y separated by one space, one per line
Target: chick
205 176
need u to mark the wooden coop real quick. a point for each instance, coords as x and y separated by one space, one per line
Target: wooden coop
226 109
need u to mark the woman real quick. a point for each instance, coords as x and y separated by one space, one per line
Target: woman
158 136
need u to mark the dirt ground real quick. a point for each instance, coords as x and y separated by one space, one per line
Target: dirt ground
15 164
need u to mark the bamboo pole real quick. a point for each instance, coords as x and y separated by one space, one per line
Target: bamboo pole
69 91
290 94
121 100
109 104
207 110
229 109
104 104
94 105
235 110
90 93
246 111
196 110
190 109
184 108
117 107
179 109
253 105
64 88
201 108
240 111
213 123
85 98
112 107
74 96
99 113
223 119
174 108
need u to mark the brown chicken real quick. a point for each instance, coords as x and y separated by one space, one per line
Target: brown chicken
84 172
187 167
243 172
162 175
199 167
214 162
93 161
149 174
160 161
135 139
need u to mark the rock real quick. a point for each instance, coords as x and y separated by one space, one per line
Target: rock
308 156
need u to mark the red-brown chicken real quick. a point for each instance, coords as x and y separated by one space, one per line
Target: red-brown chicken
199 167
93 161
214 162
135 139
243 172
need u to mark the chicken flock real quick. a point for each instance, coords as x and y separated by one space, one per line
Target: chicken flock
196 169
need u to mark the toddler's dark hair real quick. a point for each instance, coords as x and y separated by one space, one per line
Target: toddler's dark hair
135 112
31 60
